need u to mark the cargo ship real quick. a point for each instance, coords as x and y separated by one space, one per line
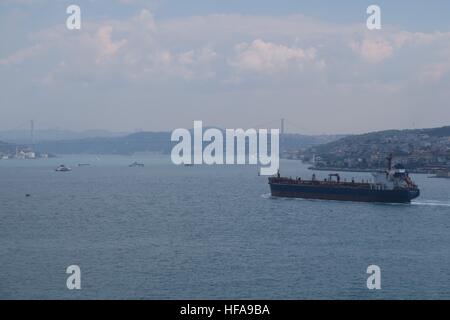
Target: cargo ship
393 185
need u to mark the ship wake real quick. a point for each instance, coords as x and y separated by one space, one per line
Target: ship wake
434 203
431 203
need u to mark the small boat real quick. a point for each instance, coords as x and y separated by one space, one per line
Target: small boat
443 174
63 168
84 165
136 164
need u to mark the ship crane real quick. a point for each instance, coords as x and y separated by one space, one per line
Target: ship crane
389 159
336 175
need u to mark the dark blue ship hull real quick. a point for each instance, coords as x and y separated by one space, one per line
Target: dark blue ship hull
342 193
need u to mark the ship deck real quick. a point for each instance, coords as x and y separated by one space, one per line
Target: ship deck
334 184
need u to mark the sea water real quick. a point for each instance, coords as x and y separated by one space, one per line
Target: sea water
209 232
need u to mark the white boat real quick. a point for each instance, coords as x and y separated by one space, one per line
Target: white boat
63 168
136 164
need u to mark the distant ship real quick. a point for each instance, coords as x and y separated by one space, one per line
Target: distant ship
442 174
63 168
136 164
84 165
391 186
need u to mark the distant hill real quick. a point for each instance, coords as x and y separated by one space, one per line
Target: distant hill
6 148
153 142
413 148
295 142
129 144
24 136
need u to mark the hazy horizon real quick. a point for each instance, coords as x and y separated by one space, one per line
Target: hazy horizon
159 65
111 133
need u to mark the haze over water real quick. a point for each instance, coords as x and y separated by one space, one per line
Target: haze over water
201 232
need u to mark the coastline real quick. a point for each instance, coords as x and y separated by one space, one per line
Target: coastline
361 170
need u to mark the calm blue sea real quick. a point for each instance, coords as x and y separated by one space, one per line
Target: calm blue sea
167 232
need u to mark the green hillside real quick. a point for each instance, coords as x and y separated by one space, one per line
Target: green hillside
415 149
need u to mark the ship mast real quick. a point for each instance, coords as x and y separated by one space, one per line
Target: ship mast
389 159
32 134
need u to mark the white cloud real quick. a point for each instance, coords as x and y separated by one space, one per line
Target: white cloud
22 55
373 50
229 62
107 47
219 45
260 56
146 20
434 73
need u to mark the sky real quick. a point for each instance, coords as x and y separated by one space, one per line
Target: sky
159 65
